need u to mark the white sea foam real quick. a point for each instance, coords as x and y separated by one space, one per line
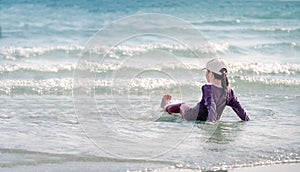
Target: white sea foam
271 81
56 68
264 68
257 68
274 29
39 68
58 85
221 47
13 53
36 86
150 83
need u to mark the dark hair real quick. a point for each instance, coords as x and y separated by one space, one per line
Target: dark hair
224 80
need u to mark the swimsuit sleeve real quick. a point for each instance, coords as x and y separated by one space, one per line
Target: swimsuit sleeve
209 103
236 106
174 108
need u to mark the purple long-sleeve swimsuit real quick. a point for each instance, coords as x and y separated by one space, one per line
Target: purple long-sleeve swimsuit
211 106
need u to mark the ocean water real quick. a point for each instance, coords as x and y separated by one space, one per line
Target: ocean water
81 84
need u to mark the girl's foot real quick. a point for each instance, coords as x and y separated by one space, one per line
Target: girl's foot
165 101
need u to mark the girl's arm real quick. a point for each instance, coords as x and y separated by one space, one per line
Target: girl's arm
185 111
236 106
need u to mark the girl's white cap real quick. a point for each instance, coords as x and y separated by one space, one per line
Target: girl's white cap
215 65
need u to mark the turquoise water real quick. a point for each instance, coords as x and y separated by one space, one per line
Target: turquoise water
66 107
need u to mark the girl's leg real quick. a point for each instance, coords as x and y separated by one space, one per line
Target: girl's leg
185 111
170 108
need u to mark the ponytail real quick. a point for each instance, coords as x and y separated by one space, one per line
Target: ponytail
224 81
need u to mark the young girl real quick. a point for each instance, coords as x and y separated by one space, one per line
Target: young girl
215 96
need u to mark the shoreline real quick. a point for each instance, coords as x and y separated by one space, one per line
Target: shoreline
287 167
